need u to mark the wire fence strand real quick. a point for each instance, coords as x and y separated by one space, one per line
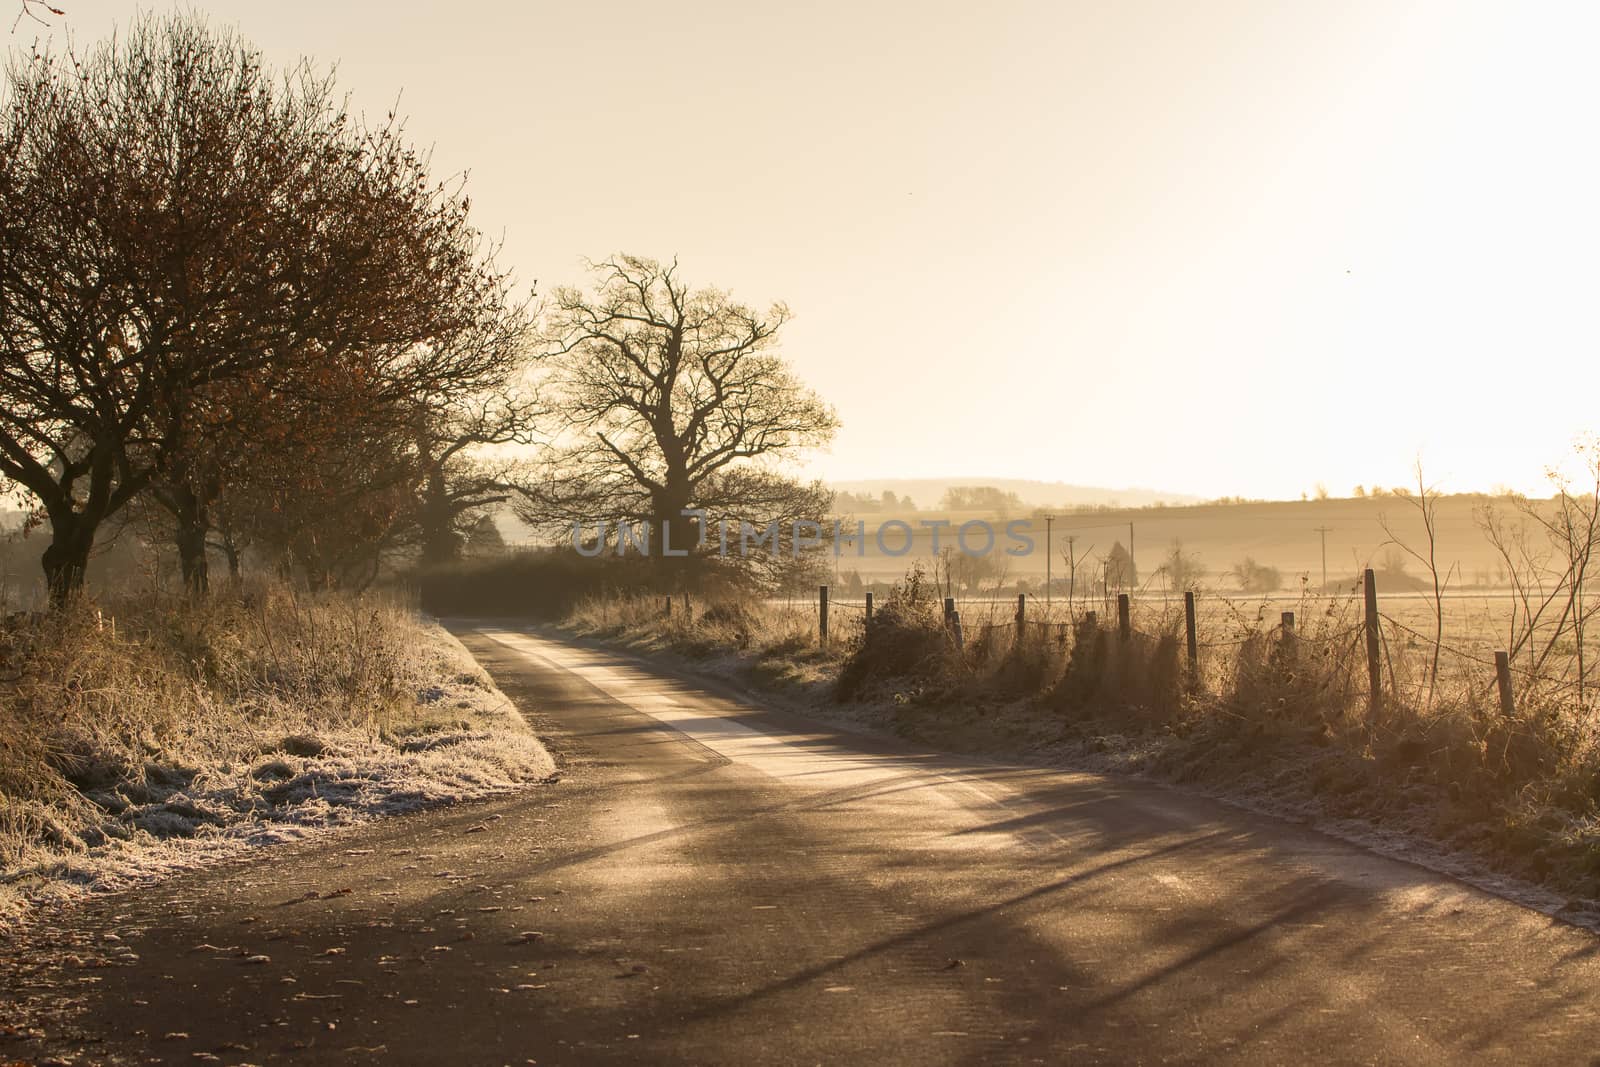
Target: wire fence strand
998 618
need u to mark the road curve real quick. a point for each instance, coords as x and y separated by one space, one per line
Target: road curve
719 883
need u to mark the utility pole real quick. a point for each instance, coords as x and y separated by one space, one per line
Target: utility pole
1048 552
1133 568
1324 531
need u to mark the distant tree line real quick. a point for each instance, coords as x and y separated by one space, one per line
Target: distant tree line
980 498
886 503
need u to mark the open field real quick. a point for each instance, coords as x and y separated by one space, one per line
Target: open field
1281 534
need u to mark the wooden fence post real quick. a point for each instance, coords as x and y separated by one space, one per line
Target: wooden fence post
1287 639
688 612
867 625
1022 613
955 628
1091 619
1374 668
1502 677
949 609
1193 639
668 611
1124 619
822 614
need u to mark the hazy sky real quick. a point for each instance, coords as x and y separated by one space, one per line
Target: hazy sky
1220 248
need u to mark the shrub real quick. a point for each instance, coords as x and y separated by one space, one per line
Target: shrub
1032 663
907 639
544 583
550 583
1107 674
731 621
1256 577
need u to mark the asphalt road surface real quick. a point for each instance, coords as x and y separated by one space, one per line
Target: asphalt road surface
717 883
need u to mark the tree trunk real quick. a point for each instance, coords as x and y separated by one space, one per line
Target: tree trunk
314 565
192 559
66 558
73 527
232 548
675 531
440 545
193 523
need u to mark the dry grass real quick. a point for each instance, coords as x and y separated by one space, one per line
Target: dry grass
770 645
127 725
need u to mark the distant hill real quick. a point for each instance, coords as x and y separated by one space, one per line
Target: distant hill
927 492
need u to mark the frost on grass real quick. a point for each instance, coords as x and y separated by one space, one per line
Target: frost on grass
126 758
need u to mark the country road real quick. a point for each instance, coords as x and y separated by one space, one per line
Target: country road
718 883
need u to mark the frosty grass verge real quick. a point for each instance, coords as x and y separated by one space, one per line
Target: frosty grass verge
466 741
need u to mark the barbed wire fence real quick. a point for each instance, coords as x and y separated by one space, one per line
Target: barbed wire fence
1387 655
1350 634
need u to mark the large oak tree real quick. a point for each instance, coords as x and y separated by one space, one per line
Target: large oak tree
675 398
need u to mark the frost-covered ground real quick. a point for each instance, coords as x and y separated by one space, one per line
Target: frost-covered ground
463 740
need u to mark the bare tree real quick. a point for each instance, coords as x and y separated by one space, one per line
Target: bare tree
465 417
968 573
675 399
1525 563
1426 501
1547 550
1074 559
1255 577
173 218
1182 568
35 10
